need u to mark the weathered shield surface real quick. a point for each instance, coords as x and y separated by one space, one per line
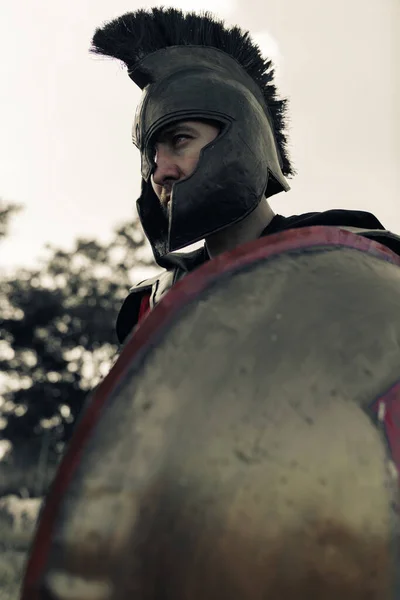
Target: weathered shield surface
244 446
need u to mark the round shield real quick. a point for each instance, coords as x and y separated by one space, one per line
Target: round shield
246 444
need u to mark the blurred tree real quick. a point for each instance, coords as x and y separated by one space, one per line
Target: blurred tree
58 339
7 210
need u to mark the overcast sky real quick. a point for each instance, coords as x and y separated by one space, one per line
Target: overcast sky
65 118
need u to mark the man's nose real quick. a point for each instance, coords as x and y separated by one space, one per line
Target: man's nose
166 167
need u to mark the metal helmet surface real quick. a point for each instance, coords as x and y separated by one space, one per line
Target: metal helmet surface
190 67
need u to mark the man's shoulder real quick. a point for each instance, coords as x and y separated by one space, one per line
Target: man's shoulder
176 265
335 218
358 221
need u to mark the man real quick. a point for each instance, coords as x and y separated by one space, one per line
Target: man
210 129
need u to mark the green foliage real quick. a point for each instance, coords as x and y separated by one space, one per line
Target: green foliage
58 335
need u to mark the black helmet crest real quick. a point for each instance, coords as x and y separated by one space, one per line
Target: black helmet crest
133 36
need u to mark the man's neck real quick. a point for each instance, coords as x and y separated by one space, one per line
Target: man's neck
250 228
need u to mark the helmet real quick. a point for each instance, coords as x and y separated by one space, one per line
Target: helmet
191 67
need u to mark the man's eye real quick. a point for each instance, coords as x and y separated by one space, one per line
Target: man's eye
173 141
176 139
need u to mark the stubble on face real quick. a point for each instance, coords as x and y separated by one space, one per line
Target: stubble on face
165 203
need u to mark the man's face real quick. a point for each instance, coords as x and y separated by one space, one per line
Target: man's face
177 151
